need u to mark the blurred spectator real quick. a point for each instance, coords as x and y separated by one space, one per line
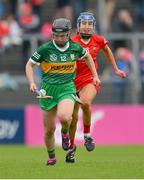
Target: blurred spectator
4 35
28 21
13 7
122 23
138 8
119 86
109 7
37 7
10 33
64 9
141 66
46 30
15 32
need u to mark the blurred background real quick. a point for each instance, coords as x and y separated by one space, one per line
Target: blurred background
26 24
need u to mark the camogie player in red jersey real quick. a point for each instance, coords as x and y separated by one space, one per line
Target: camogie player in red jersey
86 90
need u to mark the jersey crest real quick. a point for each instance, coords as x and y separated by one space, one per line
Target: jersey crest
72 56
94 48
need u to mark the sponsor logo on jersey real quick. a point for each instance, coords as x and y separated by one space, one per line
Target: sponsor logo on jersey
64 68
53 57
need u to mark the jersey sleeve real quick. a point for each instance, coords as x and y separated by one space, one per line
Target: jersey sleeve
83 52
36 58
103 42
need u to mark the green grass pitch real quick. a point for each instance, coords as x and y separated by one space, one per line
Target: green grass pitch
125 162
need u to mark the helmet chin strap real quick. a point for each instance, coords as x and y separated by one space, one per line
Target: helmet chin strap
85 36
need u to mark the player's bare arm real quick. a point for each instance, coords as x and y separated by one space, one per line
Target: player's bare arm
29 74
91 65
109 55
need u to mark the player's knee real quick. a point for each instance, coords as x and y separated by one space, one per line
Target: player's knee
64 117
49 132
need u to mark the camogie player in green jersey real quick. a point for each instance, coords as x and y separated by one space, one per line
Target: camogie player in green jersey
57 60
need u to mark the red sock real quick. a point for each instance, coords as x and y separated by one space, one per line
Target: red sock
86 128
71 143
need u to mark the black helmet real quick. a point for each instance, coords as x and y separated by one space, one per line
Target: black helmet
61 25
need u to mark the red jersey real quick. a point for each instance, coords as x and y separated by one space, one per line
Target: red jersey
84 75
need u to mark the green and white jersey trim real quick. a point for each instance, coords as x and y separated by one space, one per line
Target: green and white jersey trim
77 99
34 62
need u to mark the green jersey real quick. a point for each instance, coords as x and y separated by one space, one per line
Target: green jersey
58 65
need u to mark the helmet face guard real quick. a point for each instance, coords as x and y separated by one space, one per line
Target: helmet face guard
86 16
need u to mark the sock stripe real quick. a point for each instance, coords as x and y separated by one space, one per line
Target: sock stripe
64 130
51 153
51 150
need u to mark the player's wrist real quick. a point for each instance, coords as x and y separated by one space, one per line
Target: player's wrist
116 69
31 82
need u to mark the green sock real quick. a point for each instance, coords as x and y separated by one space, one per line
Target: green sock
64 130
51 153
